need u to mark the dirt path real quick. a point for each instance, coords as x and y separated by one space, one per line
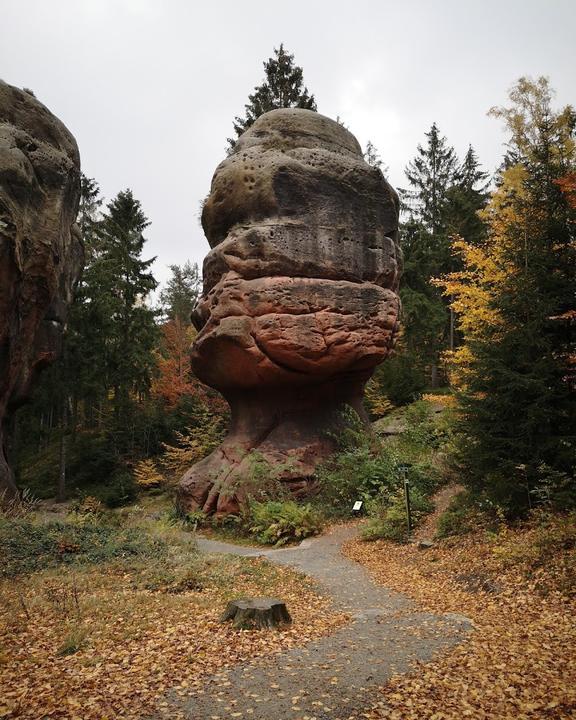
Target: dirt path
334 677
442 500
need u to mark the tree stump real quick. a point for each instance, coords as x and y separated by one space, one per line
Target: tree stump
256 613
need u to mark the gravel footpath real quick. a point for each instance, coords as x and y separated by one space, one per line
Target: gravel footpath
334 677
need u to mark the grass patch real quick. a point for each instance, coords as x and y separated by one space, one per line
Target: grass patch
29 546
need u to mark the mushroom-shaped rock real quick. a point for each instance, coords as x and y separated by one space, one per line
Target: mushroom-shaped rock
41 252
299 302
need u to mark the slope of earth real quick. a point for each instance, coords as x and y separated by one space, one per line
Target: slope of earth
517 586
336 676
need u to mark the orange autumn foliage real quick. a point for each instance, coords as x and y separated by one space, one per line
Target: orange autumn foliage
567 185
174 376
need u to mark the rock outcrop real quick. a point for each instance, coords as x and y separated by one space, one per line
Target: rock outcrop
41 252
299 303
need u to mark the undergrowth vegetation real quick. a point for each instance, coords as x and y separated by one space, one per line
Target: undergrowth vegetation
372 469
28 546
277 523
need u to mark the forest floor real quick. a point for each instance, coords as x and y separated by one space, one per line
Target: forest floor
119 618
337 675
100 618
518 588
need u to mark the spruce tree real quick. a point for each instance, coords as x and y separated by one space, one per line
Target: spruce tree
282 88
465 199
431 173
89 208
134 331
519 408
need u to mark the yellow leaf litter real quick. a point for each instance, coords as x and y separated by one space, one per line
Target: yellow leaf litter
127 648
520 659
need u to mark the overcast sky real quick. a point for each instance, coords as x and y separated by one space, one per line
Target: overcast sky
149 88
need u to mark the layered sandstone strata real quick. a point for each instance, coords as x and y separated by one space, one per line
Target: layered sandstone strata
41 252
299 304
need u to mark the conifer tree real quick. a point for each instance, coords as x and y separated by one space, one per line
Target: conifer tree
127 282
89 207
179 296
465 199
519 407
282 88
442 201
431 173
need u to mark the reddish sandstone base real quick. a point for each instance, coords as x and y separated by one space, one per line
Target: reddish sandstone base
275 437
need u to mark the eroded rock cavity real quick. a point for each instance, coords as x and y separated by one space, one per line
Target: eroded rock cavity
41 252
299 304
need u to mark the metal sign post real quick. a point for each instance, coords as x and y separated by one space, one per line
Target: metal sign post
404 470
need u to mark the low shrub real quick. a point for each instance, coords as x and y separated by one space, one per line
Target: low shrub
370 472
376 401
457 519
548 534
120 489
389 521
189 521
75 640
169 578
19 506
543 548
277 523
146 474
193 443
357 473
88 505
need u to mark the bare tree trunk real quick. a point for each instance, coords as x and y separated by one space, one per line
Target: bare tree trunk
39 446
61 492
8 489
74 424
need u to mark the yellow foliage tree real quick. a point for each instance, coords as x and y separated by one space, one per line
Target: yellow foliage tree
193 444
485 269
146 474
376 401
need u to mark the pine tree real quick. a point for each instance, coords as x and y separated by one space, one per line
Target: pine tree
519 409
282 88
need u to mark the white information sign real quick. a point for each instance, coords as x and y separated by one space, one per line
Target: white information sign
357 505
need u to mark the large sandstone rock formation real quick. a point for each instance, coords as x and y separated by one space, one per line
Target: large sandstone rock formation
299 303
41 251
